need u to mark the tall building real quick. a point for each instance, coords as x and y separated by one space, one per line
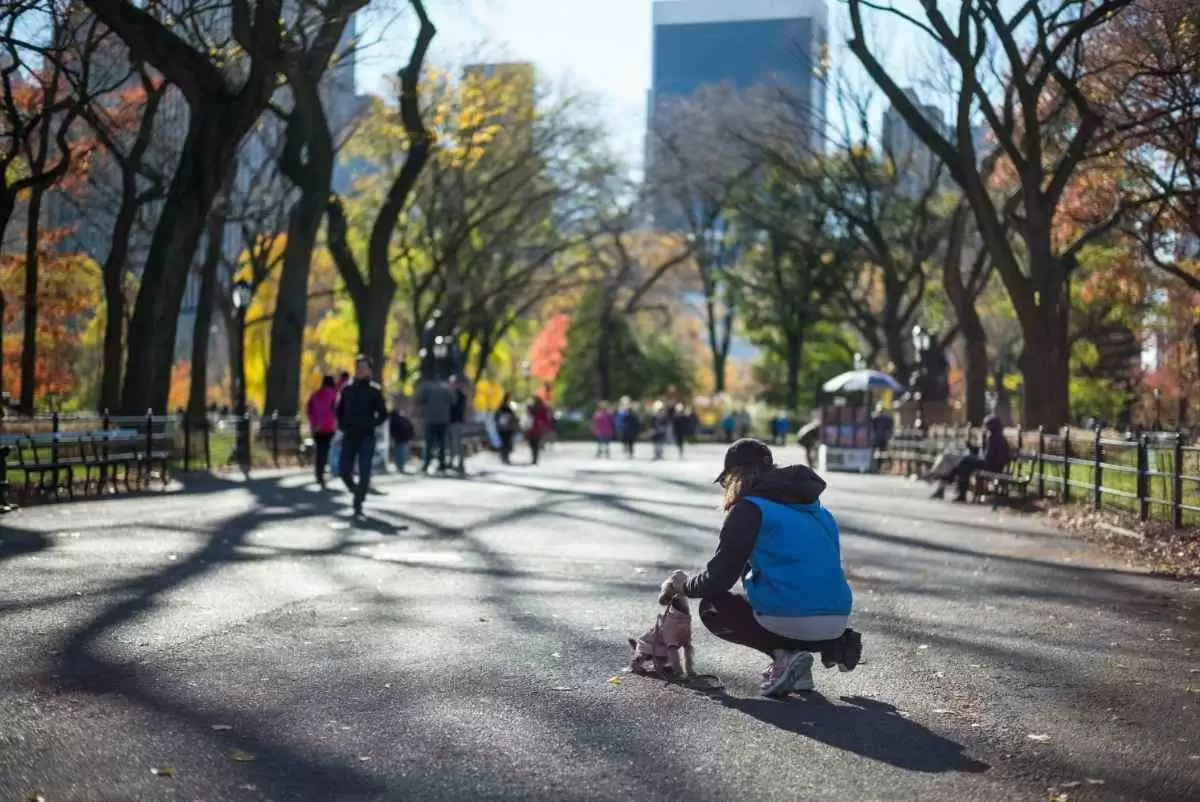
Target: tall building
707 42
915 163
742 44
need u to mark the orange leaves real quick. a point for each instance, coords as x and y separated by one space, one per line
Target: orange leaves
68 289
546 354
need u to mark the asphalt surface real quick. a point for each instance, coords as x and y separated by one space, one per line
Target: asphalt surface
248 641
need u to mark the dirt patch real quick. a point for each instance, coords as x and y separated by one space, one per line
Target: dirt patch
1159 547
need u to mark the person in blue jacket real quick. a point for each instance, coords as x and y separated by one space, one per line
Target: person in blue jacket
784 546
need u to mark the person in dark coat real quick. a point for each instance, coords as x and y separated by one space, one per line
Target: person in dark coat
507 425
360 411
996 456
401 431
630 426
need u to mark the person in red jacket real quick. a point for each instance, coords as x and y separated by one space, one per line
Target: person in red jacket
322 419
540 426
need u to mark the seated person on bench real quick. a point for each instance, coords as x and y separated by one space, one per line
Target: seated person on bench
996 456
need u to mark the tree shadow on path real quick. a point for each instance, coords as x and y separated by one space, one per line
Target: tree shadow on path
866 727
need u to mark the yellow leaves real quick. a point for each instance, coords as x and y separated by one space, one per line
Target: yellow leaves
241 756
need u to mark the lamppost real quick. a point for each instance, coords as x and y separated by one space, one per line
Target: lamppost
1157 409
921 342
241 296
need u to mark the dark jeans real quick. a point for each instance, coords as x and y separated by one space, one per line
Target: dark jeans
730 618
322 440
506 445
362 450
535 448
435 440
961 474
629 444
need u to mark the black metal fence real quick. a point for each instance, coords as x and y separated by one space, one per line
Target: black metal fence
1153 475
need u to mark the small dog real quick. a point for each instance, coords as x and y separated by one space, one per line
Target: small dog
665 650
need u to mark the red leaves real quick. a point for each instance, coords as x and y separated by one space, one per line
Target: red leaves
546 355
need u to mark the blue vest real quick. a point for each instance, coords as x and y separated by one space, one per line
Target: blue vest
796 566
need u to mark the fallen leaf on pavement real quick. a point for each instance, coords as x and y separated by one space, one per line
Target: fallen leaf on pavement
1066 786
363 759
35 796
222 727
562 688
1091 781
241 756
1053 797
614 680
942 711
923 646
1039 737
163 771
555 654
599 629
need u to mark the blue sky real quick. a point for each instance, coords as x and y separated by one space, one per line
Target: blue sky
599 47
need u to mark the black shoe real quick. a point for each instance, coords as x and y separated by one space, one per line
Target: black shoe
845 652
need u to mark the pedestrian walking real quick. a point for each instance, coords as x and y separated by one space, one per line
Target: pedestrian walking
540 426
360 411
629 426
784 546
660 425
682 427
507 425
458 422
335 446
436 400
400 430
322 420
728 424
604 429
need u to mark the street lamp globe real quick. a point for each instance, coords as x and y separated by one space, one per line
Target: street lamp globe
242 293
440 349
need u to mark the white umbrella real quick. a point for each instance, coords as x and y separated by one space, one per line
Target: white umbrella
857 381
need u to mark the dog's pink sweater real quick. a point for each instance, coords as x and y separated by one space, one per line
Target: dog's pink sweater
675 633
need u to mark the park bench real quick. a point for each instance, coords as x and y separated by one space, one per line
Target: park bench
114 450
44 459
1010 486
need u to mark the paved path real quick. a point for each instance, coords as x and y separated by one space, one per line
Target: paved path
469 657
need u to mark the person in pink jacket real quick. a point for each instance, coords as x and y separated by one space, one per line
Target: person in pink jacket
604 429
322 419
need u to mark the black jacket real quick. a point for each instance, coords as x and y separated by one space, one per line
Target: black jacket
361 408
458 411
400 427
795 484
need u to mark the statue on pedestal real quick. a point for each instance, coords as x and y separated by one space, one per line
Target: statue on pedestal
440 356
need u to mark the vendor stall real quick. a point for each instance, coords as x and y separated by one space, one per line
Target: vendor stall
846 431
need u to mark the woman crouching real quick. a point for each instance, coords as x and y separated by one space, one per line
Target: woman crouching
784 546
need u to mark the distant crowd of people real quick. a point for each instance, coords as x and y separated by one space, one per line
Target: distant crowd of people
667 425
345 415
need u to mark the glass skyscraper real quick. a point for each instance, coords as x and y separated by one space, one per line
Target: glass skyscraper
742 44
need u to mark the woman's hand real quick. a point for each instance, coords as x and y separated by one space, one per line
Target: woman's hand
678 580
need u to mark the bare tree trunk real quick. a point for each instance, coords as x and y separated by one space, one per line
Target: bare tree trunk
975 370
372 296
307 161
29 345
795 349
1045 366
604 350
198 390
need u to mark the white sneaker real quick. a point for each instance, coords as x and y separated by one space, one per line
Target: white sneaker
788 672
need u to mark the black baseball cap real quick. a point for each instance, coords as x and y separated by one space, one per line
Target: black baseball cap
745 452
